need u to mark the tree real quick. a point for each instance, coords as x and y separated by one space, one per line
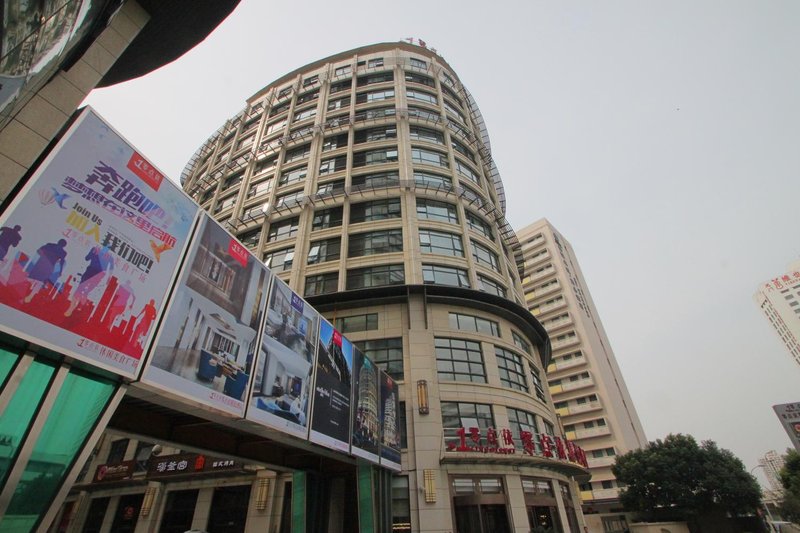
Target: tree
677 479
790 479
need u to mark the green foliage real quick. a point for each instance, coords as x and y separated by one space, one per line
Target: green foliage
790 479
677 479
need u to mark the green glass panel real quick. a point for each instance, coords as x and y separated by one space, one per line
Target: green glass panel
19 412
7 361
299 502
80 402
366 515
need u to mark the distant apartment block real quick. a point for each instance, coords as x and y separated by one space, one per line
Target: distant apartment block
779 300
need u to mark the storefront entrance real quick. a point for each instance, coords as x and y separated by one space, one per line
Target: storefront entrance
479 505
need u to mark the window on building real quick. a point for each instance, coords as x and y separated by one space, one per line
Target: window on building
292 176
375 63
474 323
266 165
537 383
334 142
440 242
465 171
457 415
387 354
380 133
339 103
283 229
521 343
327 218
450 93
479 225
484 256
290 199
331 187
374 96
435 181
520 421
375 242
401 506
225 203
297 153
280 260
370 79
355 323
250 238
491 286
418 133
116 453
429 157
445 275
259 188
278 109
463 150
232 181
377 180
309 96
343 71
334 164
341 86
459 360
361 278
450 108
403 425
322 283
283 93
511 369
303 114
436 210
324 250
423 114
413 77
375 210
374 113
418 63
422 96
311 80
375 157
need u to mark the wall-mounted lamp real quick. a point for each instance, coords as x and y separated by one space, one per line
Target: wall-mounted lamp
147 501
422 397
430 486
261 494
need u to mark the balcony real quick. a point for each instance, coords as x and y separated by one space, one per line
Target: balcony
530 262
540 275
563 365
592 432
579 408
557 324
575 385
605 494
597 462
569 341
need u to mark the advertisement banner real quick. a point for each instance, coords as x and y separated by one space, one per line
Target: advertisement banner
282 389
366 429
330 423
88 250
789 415
390 422
207 341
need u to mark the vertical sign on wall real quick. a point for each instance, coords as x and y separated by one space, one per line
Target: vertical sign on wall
207 342
390 422
90 247
366 431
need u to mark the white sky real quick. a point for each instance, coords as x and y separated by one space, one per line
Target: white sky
661 138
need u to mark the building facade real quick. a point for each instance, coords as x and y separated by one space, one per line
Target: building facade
779 300
772 463
586 384
365 181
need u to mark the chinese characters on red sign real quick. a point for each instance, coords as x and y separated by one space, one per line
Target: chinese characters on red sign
502 442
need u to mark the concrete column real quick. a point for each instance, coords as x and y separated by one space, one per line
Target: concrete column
562 511
516 504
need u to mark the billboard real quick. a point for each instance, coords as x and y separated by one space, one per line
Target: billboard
789 415
90 247
208 339
365 427
330 423
390 422
282 389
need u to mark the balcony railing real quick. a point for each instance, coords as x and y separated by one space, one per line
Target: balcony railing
592 432
574 385
563 365
597 462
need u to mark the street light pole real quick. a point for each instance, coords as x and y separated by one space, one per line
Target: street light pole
766 505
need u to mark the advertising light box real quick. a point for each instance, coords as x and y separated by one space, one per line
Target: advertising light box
366 429
390 422
330 423
89 248
208 339
281 395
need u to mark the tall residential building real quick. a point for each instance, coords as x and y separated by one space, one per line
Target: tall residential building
365 180
773 462
585 382
779 300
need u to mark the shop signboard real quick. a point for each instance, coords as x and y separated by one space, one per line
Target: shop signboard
208 339
281 394
89 248
390 422
789 415
365 426
187 463
114 472
330 423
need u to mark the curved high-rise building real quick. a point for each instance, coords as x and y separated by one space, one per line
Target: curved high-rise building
365 180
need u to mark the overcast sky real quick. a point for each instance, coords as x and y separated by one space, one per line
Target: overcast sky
661 138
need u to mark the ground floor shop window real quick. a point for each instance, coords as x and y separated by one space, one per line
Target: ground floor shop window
179 511
615 524
540 500
286 510
229 509
94 518
479 505
127 513
401 510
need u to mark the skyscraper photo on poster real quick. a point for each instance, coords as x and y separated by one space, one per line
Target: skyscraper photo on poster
207 342
89 247
282 390
330 422
390 422
366 430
